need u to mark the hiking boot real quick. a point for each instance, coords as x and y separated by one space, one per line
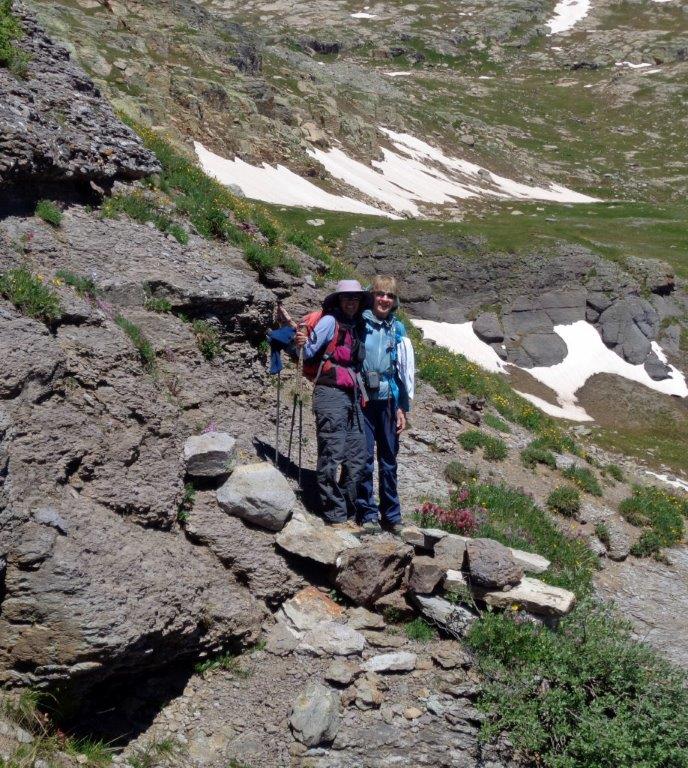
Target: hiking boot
371 527
396 529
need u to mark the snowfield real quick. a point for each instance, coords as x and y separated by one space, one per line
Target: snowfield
567 14
587 356
409 176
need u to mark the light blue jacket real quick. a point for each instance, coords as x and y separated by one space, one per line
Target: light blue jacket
389 352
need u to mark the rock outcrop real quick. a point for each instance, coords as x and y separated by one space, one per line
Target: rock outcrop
56 127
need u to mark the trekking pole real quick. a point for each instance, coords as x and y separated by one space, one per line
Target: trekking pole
299 397
291 428
277 420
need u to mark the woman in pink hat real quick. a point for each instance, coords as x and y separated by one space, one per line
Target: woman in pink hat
335 351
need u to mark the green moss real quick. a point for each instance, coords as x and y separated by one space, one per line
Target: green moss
30 294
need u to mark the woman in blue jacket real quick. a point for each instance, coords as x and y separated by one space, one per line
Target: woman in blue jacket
389 374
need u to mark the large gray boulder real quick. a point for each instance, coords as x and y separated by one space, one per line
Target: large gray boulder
628 326
315 717
259 494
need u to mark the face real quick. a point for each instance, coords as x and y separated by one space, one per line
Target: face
383 303
349 303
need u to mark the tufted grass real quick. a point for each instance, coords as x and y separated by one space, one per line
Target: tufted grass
30 294
49 212
140 342
661 514
12 57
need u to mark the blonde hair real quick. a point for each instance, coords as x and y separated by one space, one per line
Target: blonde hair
385 283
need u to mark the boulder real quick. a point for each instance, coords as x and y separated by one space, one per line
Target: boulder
628 326
426 574
454 619
401 661
259 494
529 561
459 411
330 638
395 606
451 550
362 618
315 717
342 672
281 640
306 536
488 328
423 538
307 609
211 454
375 568
491 564
367 693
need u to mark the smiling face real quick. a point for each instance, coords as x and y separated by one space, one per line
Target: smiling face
383 303
349 303
384 290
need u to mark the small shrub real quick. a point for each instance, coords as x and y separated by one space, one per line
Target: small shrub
227 661
614 471
584 479
49 212
494 449
420 630
178 233
139 208
30 295
84 286
163 306
153 754
140 342
186 504
460 520
602 533
207 338
496 423
584 694
533 455
660 512
458 473
96 754
564 500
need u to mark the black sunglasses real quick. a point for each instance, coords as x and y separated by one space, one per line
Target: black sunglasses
350 296
385 295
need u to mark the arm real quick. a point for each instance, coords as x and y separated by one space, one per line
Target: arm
321 336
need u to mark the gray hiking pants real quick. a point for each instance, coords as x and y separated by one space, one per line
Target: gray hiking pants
341 442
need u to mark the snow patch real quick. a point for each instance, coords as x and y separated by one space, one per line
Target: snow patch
587 356
567 14
277 184
631 65
403 73
676 482
363 15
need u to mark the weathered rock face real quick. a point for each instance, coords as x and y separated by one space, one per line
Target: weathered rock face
372 570
315 717
56 127
491 564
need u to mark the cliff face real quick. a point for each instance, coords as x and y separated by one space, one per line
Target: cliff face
56 128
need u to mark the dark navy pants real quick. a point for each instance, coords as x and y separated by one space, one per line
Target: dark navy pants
380 424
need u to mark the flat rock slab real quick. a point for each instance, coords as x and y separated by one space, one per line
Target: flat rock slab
531 594
332 639
362 618
491 564
529 561
401 661
307 609
314 541
212 454
315 715
342 672
372 570
259 494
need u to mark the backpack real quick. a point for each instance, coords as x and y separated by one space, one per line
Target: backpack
334 353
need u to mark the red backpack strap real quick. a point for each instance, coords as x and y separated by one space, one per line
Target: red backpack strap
329 351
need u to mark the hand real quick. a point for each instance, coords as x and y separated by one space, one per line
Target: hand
401 421
301 337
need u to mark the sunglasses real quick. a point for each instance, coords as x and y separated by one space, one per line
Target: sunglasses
385 295
350 296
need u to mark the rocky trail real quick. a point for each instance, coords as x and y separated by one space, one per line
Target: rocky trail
168 587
